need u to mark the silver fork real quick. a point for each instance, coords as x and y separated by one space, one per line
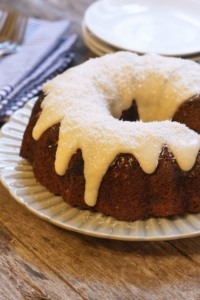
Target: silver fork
2 19
8 20
12 33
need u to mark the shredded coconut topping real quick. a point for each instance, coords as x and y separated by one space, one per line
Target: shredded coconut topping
88 101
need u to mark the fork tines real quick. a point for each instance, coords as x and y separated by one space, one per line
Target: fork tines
19 30
3 14
12 30
8 26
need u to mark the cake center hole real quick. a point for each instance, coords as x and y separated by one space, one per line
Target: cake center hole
130 114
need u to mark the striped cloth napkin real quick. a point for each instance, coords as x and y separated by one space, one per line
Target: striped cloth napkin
45 53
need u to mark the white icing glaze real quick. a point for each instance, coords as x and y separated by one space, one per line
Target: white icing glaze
89 99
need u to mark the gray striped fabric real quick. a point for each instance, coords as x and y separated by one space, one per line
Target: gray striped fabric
45 53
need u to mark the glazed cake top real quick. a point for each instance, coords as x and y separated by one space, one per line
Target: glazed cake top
88 101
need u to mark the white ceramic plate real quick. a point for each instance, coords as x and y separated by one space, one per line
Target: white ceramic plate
100 48
159 26
17 176
96 45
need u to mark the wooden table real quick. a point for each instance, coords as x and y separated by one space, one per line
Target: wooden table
41 261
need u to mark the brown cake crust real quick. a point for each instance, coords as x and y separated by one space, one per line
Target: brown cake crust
126 192
188 113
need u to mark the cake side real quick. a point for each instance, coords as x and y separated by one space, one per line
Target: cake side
126 192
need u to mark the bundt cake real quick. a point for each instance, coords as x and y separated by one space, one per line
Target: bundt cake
107 136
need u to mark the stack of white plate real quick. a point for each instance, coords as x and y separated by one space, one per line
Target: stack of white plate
170 28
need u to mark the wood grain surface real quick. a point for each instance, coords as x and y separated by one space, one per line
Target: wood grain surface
41 261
